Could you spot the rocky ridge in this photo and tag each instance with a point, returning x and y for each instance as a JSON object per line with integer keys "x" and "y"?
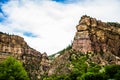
{"x": 33, "y": 61}
{"x": 91, "y": 32}
{"x": 98, "y": 37}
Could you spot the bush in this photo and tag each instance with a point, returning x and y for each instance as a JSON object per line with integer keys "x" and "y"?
{"x": 11, "y": 69}
{"x": 94, "y": 76}
{"x": 113, "y": 71}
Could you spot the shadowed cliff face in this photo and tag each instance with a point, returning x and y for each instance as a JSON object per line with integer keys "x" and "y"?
{"x": 12, "y": 45}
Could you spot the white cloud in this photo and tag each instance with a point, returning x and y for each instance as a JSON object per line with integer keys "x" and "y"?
{"x": 53, "y": 22}
{"x": 1, "y": 15}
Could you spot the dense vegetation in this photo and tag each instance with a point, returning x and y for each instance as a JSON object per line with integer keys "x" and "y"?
{"x": 115, "y": 24}
{"x": 12, "y": 69}
{"x": 84, "y": 70}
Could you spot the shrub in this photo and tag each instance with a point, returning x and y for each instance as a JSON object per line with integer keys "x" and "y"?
{"x": 94, "y": 76}
{"x": 12, "y": 69}
{"x": 113, "y": 71}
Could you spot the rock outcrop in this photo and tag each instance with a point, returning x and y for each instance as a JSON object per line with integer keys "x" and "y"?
{"x": 98, "y": 37}
{"x": 60, "y": 64}
{"x": 34, "y": 62}
{"x": 96, "y": 40}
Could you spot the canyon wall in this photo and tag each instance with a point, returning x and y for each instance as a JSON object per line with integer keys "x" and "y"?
{"x": 98, "y": 37}
{"x": 35, "y": 63}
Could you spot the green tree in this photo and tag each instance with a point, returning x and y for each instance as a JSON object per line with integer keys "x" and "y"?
{"x": 12, "y": 69}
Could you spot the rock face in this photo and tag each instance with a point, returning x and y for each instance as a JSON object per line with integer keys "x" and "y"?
{"x": 98, "y": 37}
{"x": 60, "y": 64}
{"x": 97, "y": 40}
{"x": 12, "y": 45}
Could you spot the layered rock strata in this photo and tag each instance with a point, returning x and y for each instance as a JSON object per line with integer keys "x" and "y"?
{"x": 98, "y": 37}
{"x": 95, "y": 36}
{"x": 13, "y": 45}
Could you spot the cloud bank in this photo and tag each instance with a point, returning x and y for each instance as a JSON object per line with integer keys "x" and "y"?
{"x": 49, "y": 25}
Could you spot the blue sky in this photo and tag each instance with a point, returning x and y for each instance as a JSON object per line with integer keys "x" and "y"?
{"x": 62, "y": 1}
{"x": 3, "y": 1}
{"x": 50, "y": 25}
{"x": 29, "y": 34}
{"x": 2, "y": 18}
{"x": 67, "y": 1}
{"x": 1, "y": 11}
